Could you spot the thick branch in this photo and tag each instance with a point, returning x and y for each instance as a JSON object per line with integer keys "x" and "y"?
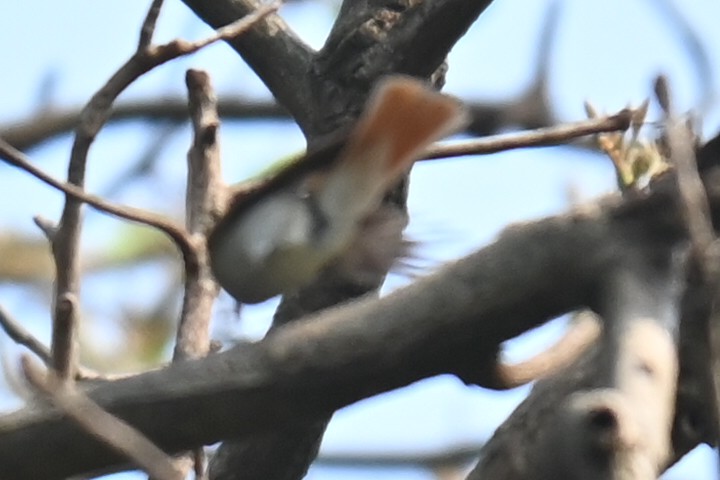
{"x": 371, "y": 39}
{"x": 611, "y": 415}
{"x": 387, "y": 36}
{"x": 452, "y": 321}
{"x": 103, "y": 426}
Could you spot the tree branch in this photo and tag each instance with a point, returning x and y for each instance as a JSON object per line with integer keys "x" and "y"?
{"x": 45, "y": 125}
{"x": 609, "y": 416}
{"x": 602, "y": 418}
{"x": 110, "y": 430}
{"x": 273, "y": 51}
{"x": 377, "y": 37}
{"x": 205, "y": 200}
{"x": 21, "y": 336}
{"x": 165, "y": 225}
{"x": 66, "y": 240}
{"x": 450, "y": 322}
{"x": 554, "y": 135}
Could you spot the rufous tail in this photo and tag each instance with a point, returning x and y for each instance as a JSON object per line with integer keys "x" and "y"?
{"x": 402, "y": 118}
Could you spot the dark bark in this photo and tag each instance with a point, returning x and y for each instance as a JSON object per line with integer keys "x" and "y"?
{"x": 450, "y": 322}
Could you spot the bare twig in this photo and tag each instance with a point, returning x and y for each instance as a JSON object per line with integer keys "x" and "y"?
{"x": 17, "y": 333}
{"x": 532, "y": 138}
{"x": 271, "y": 49}
{"x": 167, "y": 226}
{"x": 94, "y": 116}
{"x": 21, "y": 336}
{"x": 112, "y": 431}
{"x": 66, "y": 240}
{"x": 324, "y": 156}
{"x": 457, "y": 455}
{"x": 692, "y": 192}
{"x": 148, "y": 27}
{"x": 241, "y": 26}
{"x": 662, "y": 95}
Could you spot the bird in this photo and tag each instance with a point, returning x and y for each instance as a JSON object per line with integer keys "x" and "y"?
{"x": 279, "y": 236}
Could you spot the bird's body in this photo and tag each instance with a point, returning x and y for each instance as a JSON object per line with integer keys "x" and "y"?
{"x": 275, "y": 248}
{"x": 280, "y": 239}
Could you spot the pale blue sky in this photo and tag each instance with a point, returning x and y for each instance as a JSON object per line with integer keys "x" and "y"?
{"x": 606, "y": 50}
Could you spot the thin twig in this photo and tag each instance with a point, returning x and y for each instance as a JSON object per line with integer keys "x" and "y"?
{"x": 556, "y": 135}
{"x": 21, "y": 336}
{"x": 112, "y": 431}
{"x": 274, "y": 52}
{"x": 95, "y": 114}
{"x": 533, "y": 138}
{"x": 148, "y": 27}
{"x": 170, "y": 228}
{"x": 239, "y": 26}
